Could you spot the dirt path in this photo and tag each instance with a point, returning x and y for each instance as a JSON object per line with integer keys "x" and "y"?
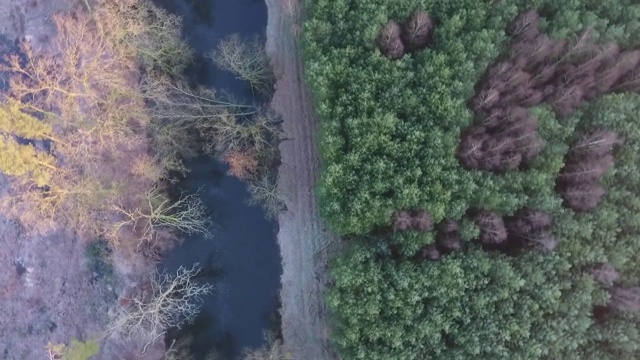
{"x": 303, "y": 238}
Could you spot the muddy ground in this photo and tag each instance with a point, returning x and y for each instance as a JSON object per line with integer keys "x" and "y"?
{"x": 305, "y": 244}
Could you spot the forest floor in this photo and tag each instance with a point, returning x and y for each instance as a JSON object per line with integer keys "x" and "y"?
{"x": 306, "y": 245}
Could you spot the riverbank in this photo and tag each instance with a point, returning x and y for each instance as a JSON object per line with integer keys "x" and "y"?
{"x": 303, "y": 239}
{"x": 242, "y": 253}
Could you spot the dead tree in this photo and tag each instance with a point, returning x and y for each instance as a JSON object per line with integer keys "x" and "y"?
{"x": 530, "y": 228}
{"x": 492, "y": 228}
{"x": 448, "y": 237}
{"x": 470, "y": 151}
{"x": 535, "y": 69}
{"x": 422, "y": 221}
{"x": 587, "y": 161}
{"x": 543, "y": 241}
{"x": 587, "y": 170}
{"x": 582, "y": 197}
{"x": 389, "y": 41}
{"x": 544, "y": 76}
{"x": 429, "y": 252}
{"x": 567, "y": 99}
{"x": 417, "y": 31}
{"x": 402, "y": 220}
{"x": 487, "y": 99}
{"x": 629, "y": 83}
{"x": 625, "y": 299}
{"x": 169, "y": 301}
{"x": 596, "y": 143}
{"x": 604, "y": 273}
{"x": 525, "y": 26}
{"x": 528, "y": 220}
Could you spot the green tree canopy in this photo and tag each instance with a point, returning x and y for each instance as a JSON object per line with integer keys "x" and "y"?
{"x": 390, "y": 130}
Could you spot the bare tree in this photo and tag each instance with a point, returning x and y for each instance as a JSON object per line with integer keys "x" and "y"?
{"x": 582, "y": 197}
{"x": 181, "y": 349}
{"x": 604, "y": 273}
{"x": 429, "y": 252}
{"x": 259, "y": 133}
{"x": 626, "y": 299}
{"x": 525, "y": 26}
{"x": 422, "y": 221}
{"x": 389, "y": 41}
{"x": 169, "y": 300}
{"x": 526, "y": 221}
{"x": 159, "y": 213}
{"x": 596, "y": 143}
{"x": 248, "y": 60}
{"x": 417, "y": 30}
{"x": 486, "y": 99}
{"x": 157, "y": 47}
{"x": 179, "y": 112}
{"x": 448, "y": 238}
{"x": 402, "y": 220}
{"x": 492, "y": 228}
{"x": 588, "y": 170}
{"x": 543, "y": 241}
{"x": 264, "y": 192}
{"x": 272, "y": 350}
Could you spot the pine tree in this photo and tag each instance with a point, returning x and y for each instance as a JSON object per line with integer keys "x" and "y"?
{"x": 15, "y": 122}
{"x": 19, "y": 160}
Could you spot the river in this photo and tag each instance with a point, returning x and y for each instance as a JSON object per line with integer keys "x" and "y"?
{"x": 242, "y": 259}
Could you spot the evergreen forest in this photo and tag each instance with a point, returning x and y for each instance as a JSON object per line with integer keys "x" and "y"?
{"x": 480, "y": 162}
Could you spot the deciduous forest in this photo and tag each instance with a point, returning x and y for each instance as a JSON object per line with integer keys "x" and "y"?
{"x": 480, "y": 160}
{"x": 94, "y": 129}
{"x": 93, "y": 134}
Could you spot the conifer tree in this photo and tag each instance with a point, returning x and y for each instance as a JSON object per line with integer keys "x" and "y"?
{"x": 14, "y": 121}
{"x": 19, "y": 160}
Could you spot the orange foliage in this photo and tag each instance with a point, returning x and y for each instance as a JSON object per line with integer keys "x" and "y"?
{"x": 242, "y": 164}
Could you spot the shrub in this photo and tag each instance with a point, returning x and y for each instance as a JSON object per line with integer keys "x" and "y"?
{"x": 79, "y": 350}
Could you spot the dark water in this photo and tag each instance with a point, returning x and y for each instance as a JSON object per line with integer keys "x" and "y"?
{"x": 242, "y": 259}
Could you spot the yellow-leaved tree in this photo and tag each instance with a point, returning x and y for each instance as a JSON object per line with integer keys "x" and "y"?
{"x": 20, "y": 158}
{"x": 24, "y": 160}
{"x": 86, "y": 124}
